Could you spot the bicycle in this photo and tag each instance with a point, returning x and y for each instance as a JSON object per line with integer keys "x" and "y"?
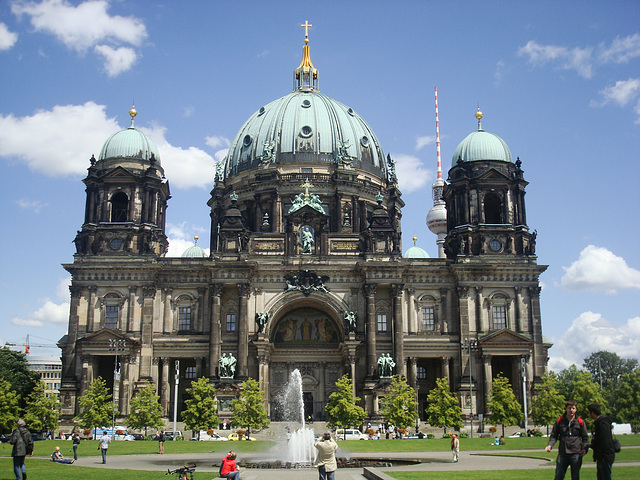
{"x": 184, "y": 473}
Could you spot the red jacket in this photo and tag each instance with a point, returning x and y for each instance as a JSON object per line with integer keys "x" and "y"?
{"x": 228, "y": 466}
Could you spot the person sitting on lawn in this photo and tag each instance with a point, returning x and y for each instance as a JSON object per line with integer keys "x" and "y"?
{"x": 57, "y": 457}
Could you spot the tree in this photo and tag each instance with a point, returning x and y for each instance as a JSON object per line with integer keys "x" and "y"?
{"x": 201, "y": 412}
{"x": 14, "y": 368}
{"x": 8, "y": 406}
{"x": 248, "y": 410}
{"x": 586, "y": 391}
{"x": 42, "y": 412}
{"x": 607, "y": 369}
{"x": 548, "y": 404}
{"x": 146, "y": 410}
{"x": 565, "y": 380}
{"x": 629, "y": 399}
{"x": 342, "y": 408}
{"x": 443, "y": 409}
{"x": 502, "y": 403}
{"x": 96, "y": 406}
{"x": 400, "y": 406}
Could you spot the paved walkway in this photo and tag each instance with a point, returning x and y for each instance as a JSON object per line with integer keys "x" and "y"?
{"x": 431, "y": 461}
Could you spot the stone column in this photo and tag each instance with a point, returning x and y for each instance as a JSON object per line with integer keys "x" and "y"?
{"x": 413, "y": 314}
{"x": 398, "y": 332}
{"x": 263, "y": 380}
{"x": 131, "y": 309}
{"x": 168, "y": 311}
{"x": 444, "y": 314}
{"x": 445, "y": 369}
{"x": 216, "y": 291}
{"x": 372, "y": 361}
{"x": 463, "y": 299}
{"x": 488, "y": 381}
{"x": 165, "y": 388}
{"x": 482, "y": 322}
{"x": 244, "y": 290}
{"x": 74, "y": 320}
{"x": 91, "y": 310}
{"x": 519, "y": 321}
{"x": 146, "y": 350}
{"x": 413, "y": 371}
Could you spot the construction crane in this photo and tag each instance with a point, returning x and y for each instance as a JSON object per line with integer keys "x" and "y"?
{"x": 27, "y": 345}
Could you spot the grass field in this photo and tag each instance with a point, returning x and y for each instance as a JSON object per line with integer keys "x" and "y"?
{"x": 619, "y": 473}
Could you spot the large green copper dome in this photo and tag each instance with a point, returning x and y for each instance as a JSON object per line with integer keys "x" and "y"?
{"x": 481, "y": 145}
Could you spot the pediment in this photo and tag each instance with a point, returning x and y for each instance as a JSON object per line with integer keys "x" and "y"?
{"x": 119, "y": 172}
{"x": 307, "y": 211}
{"x": 101, "y": 338}
{"x": 505, "y": 337}
{"x": 493, "y": 174}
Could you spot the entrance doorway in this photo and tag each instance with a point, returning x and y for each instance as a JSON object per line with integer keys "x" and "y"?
{"x": 307, "y": 400}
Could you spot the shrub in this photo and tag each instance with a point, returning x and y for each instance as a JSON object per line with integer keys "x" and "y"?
{"x": 87, "y": 432}
{"x": 493, "y": 429}
{"x": 402, "y": 431}
{"x": 464, "y": 435}
{"x": 430, "y": 435}
{"x": 446, "y": 435}
{"x": 370, "y": 431}
{"x": 537, "y": 433}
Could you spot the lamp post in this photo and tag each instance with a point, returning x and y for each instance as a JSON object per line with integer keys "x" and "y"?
{"x": 523, "y": 366}
{"x": 175, "y": 398}
{"x": 116, "y": 346}
{"x": 470, "y": 344}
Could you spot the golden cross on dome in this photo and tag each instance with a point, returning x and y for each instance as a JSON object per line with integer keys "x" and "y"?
{"x": 306, "y": 26}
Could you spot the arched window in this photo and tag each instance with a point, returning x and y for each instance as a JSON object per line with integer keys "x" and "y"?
{"x": 492, "y": 209}
{"x": 185, "y": 313}
{"x": 111, "y": 310}
{"x": 119, "y": 207}
{"x": 499, "y": 309}
{"x": 427, "y": 320}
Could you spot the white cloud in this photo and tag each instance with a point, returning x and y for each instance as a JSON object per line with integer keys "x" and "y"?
{"x": 621, "y": 50}
{"x": 85, "y": 26}
{"x": 622, "y": 93}
{"x": 185, "y": 168}
{"x": 578, "y": 59}
{"x": 68, "y": 135}
{"x": 34, "y": 205}
{"x": 52, "y": 312}
{"x": 117, "y": 60}
{"x": 589, "y": 333}
{"x": 7, "y": 38}
{"x": 62, "y": 289}
{"x": 21, "y": 322}
{"x": 599, "y": 269}
{"x": 412, "y": 175}
{"x": 425, "y": 141}
{"x": 216, "y": 141}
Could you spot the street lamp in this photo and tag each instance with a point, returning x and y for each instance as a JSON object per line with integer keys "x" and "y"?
{"x": 523, "y": 365}
{"x": 470, "y": 344}
{"x": 175, "y": 398}
{"x": 115, "y": 346}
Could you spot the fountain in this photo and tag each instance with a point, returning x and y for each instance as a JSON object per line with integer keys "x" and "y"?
{"x": 300, "y": 449}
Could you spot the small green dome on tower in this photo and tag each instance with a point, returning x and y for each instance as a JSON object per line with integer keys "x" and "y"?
{"x": 130, "y": 143}
{"x": 481, "y": 145}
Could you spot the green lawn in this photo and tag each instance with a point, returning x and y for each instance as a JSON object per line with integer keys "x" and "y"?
{"x": 619, "y": 473}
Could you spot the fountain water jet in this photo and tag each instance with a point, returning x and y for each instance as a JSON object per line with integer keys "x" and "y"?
{"x": 300, "y": 449}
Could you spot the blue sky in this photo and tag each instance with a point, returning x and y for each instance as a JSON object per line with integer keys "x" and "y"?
{"x": 558, "y": 81}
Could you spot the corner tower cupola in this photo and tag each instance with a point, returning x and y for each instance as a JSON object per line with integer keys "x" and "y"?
{"x": 484, "y": 198}
{"x": 127, "y": 195}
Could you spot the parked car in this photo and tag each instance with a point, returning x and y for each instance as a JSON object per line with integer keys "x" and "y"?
{"x": 36, "y": 436}
{"x": 134, "y": 436}
{"x": 168, "y": 436}
{"x": 205, "y": 437}
{"x": 350, "y": 434}
{"x": 234, "y": 437}
{"x": 4, "y": 438}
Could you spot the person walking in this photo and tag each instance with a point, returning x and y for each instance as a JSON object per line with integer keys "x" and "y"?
{"x": 76, "y": 441}
{"x": 455, "y": 446}
{"x": 229, "y": 467}
{"x": 571, "y": 431}
{"x": 105, "y": 440}
{"x": 326, "y": 459}
{"x": 604, "y": 452}
{"x": 161, "y": 442}
{"x": 22, "y": 446}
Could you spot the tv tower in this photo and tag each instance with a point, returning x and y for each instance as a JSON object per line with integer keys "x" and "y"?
{"x": 437, "y": 216}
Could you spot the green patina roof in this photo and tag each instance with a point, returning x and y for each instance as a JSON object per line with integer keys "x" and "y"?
{"x": 481, "y": 145}
{"x": 129, "y": 143}
{"x": 415, "y": 252}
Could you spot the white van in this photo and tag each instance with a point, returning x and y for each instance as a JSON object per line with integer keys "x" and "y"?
{"x": 621, "y": 428}
{"x": 350, "y": 434}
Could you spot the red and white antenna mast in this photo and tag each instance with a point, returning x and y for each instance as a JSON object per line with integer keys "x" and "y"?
{"x": 437, "y": 216}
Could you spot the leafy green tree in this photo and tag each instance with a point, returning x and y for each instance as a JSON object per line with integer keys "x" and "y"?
{"x": 565, "y": 380}
{"x": 586, "y": 391}
{"x": 42, "y": 412}
{"x": 443, "y": 409}
{"x": 248, "y": 410}
{"x": 607, "y": 369}
{"x": 629, "y": 399}
{"x": 96, "y": 406}
{"x": 342, "y": 408}
{"x": 400, "y": 406}
{"x": 201, "y": 412}
{"x": 14, "y": 368}
{"x": 8, "y": 406}
{"x": 502, "y": 403}
{"x": 146, "y": 410}
{"x": 548, "y": 404}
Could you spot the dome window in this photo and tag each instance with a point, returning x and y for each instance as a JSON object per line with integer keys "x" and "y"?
{"x": 261, "y": 111}
{"x": 306, "y": 131}
{"x": 364, "y": 141}
{"x": 351, "y": 112}
{"x": 246, "y": 141}
{"x": 306, "y": 104}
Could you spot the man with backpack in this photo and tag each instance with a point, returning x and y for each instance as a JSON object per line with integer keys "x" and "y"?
{"x": 571, "y": 431}
{"x": 22, "y": 446}
{"x": 604, "y": 452}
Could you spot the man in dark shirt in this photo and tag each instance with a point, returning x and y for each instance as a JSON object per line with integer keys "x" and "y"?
{"x": 571, "y": 431}
{"x": 604, "y": 453}
{"x": 22, "y": 446}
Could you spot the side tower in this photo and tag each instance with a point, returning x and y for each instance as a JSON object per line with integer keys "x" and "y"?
{"x": 127, "y": 197}
{"x": 485, "y": 199}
